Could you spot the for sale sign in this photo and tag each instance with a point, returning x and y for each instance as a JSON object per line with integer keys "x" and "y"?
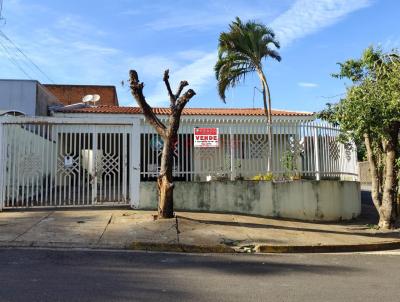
{"x": 206, "y": 137}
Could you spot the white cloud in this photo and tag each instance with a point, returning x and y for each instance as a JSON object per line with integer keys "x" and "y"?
{"x": 94, "y": 48}
{"x": 305, "y": 17}
{"x": 191, "y": 54}
{"x": 307, "y": 84}
{"x": 198, "y": 73}
{"x": 152, "y": 66}
{"x": 206, "y": 14}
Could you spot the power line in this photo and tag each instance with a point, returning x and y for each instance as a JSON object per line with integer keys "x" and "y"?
{"x": 333, "y": 96}
{"x": 25, "y": 56}
{"x": 15, "y": 62}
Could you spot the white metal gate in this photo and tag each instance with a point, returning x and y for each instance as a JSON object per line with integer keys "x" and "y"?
{"x": 49, "y": 162}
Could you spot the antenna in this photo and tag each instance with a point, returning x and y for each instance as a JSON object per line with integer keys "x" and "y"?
{"x": 254, "y": 93}
{"x": 96, "y": 98}
{"x": 87, "y": 98}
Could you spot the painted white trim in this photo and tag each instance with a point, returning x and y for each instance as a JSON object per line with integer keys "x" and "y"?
{"x": 194, "y": 118}
{"x": 134, "y": 169}
{"x": 132, "y": 120}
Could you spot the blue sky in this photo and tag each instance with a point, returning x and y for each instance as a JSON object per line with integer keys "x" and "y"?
{"x": 97, "y": 42}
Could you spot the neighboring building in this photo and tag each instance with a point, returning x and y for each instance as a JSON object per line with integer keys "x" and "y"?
{"x": 72, "y": 94}
{"x": 27, "y": 96}
{"x": 35, "y": 99}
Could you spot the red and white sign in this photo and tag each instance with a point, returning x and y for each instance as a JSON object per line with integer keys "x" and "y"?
{"x": 206, "y": 137}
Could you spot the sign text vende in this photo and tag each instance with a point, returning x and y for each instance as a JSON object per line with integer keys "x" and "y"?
{"x": 206, "y": 137}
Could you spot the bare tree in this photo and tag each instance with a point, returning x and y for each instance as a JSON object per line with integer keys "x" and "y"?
{"x": 168, "y": 133}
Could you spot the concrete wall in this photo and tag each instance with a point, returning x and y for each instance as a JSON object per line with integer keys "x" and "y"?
{"x": 325, "y": 200}
{"x": 18, "y": 95}
{"x": 43, "y": 100}
{"x": 27, "y": 96}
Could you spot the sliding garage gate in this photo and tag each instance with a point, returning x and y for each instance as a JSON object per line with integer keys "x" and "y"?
{"x": 68, "y": 163}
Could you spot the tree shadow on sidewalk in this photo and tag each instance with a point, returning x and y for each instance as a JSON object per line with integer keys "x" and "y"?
{"x": 359, "y": 226}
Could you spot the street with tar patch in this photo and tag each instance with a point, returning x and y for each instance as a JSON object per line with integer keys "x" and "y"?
{"x": 73, "y": 275}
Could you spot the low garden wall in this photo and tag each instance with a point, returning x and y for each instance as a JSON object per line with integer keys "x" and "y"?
{"x": 325, "y": 200}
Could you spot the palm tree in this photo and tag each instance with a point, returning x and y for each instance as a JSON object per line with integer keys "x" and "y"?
{"x": 241, "y": 51}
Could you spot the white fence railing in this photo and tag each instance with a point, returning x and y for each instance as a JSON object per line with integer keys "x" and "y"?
{"x": 52, "y": 162}
{"x": 300, "y": 149}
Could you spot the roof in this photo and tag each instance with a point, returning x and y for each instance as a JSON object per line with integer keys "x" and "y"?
{"x": 186, "y": 111}
{"x": 72, "y": 94}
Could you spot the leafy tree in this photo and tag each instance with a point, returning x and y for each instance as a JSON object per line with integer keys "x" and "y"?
{"x": 241, "y": 51}
{"x": 168, "y": 133}
{"x": 371, "y": 112}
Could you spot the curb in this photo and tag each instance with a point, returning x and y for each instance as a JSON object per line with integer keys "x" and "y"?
{"x": 180, "y": 248}
{"x": 341, "y": 248}
{"x": 187, "y": 248}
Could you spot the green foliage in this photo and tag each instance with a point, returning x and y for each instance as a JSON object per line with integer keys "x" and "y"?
{"x": 370, "y": 113}
{"x": 372, "y": 103}
{"x": 289, "y": 162}
{"x": 241, "y": 51}
{"x": 267, "y": 177}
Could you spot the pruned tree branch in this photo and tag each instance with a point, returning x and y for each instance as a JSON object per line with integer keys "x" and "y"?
{"x": 137, "y": 92}
{"x": 182, "y": 85}
{"x": 172, "y": 97}
{"x": 184, "y": 99}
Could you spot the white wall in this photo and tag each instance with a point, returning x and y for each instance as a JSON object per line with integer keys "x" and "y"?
{"x": 27, "y": 96}
{"x": 18, "y": 95}
{"x": 325, "y": 200}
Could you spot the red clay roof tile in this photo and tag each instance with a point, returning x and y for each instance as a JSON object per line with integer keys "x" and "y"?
{"x": 186, "y": 111}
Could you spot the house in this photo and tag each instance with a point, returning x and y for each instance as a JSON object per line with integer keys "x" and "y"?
{"x": 34, "y": 99}
{"x": 246, "y": 128}
{"x": 71, "y": 94}
{"x": 26, "y": 96}
{"x": 84, "y": 154}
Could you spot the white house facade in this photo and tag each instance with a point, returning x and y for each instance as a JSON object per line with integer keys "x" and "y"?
{"x": 85, "y": 155}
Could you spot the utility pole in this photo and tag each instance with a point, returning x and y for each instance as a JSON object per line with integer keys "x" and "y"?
{"x": 2, "y": 19}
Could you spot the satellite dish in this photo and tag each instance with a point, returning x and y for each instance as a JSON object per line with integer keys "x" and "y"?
{"x": 96, "y": 98}
{"x": 87, "y": 98}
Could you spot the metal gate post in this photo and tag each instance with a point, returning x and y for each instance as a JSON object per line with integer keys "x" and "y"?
{"x": 94, "y": 181}
{"x": 232, "y": 151}
{"x": 134, "y": 169}
{"x": 316, "y": 150}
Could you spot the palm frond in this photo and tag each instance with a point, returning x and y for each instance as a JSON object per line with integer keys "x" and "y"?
{"x": 241, "y": 51}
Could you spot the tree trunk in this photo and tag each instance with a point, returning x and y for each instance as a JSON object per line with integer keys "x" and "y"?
{"x": 388, "y": 212}
{"x": 268, "y": 114}
{"x": 165, "y": 180}
{"x": 270, "y": 137}
{"x": 169, "y": 135}
{"x": 373, "y": 167}
{"x": 385, "y": 198}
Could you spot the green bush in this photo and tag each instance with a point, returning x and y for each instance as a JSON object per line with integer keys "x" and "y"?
{"x": 267, "y": 177}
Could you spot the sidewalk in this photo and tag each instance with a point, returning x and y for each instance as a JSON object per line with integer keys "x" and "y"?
{"x": 201, "y": 232}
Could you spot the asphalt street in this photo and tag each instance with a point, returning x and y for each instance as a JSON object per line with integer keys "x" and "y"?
{"x": 79, "y": 275}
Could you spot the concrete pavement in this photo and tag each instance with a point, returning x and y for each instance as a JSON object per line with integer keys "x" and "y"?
{"x": 129, "y": 229}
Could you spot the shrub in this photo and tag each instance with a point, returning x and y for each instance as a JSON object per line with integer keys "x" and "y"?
{"x": 267, "y": 177}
